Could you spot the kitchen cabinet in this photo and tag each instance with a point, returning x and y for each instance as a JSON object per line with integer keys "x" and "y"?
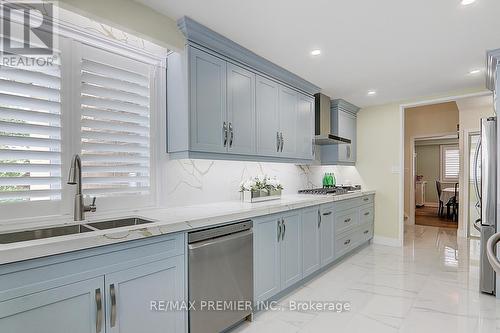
{"x": 130, "y": 291}
{"x": 106, "y": 289}
{"x": 220, "y": 108}
{"x": 327, "y": 236}
{"x": 344, "y": 118}
{"x": 207, "y": 86}
{"x": 311, "y": 234}
{"x": 240, "y": 110}
{"x": 277, "y": 253}
{"x": 291, "y": 249}
{"x": 267, "y": 111}
{"x": 267, "y": 269}
{"x": 67, "y": 308}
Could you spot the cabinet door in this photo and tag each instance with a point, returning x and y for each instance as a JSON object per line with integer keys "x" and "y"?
{"x": 129, "y": 294}
{"x": 288, "y": 102}
{"x": 310, "y": 240}
{"x": 347, "y": 129}
{"x": 327, "y": 250}
{"x": 291, "y": 250}
{"x": 207, "y": 101}
{"x": 305, "y": 126}
{"x": 266, "y": 257}
{"x": 241, "y": 110}
{"x": 267, "y": 107}
{"x": 70, "y": 308}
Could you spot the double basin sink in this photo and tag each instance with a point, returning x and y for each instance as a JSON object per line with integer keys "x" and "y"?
{"x": 27, "y": 235}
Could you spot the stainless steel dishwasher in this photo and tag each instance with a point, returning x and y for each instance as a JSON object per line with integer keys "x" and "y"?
{"x": 220, "y": 270}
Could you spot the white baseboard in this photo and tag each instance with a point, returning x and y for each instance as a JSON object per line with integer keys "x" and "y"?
{"x": 389, "y": 241}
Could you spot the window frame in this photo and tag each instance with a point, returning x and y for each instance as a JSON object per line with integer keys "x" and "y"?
{"x": 70, "y": 38}
{"x": 442, "y": 163}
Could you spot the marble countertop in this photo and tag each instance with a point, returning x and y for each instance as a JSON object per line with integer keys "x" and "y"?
{"x": 165, "y": 221}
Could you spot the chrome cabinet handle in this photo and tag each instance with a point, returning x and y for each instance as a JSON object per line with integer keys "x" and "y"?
{"x": 327, "y": 213}
{"x": 282, "y": 141}
{"x": 278, "y": 142}
{"x": 366, "y": 231}
{"x": 348, "y": 152}
{"x": 98, "y": 302}
{"x": 284, "y": 229}
{"x": 367, "y": 213}
{"x": 279, "y": 230}
{"x": 231, "y": 135}
{"x": 366, "y": 199}
{"x": 347, "y": 220}
{"x": 224, "y": 132}
{"x": 112, "y": 293}
{"x": 319, "y": 219}
{"x": 347, "y": 242}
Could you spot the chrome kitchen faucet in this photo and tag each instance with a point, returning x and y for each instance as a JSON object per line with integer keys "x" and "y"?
{"x": 75, "y": 178}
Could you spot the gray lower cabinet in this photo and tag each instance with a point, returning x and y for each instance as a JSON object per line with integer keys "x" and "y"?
{"x": 292, "y": 246}
{"x": 130, "y": 291}
{"x": 97, "y": 290}
{"x": 67, "y": 308}
{"x": 277, "y": 253}
{"x": 311, "y": 224}
{"x": 327, "y": 236}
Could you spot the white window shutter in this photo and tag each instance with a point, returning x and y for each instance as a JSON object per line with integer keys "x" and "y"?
{"x": 30, "y": 133}
{"x": 450, "y": 163}
{"x": 115, "y": 124}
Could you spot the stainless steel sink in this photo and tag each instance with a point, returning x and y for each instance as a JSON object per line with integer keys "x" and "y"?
{"x": 21, "y": 236}
{"x": 110, "y": 224}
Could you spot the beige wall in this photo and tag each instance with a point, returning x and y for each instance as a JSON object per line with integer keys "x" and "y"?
{"x": 378, "y": 153}
{"x": 428, "y": 165}
{"x": 131, "y": 17}
{"x": 425, "y": 121}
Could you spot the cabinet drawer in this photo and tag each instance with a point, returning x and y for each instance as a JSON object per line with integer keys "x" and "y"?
{"x": 365, "y": 232}
{"x": 346, "y": 220}
{"x": 345, "y": 243}
{"x": 367, "y": 199}
{"x": 366, "y": 214}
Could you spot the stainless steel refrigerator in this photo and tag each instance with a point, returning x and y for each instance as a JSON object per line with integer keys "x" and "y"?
{"x": 486, "y": 186}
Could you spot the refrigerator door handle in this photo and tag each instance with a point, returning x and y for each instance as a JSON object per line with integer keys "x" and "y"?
{"x": 476, "y": 157}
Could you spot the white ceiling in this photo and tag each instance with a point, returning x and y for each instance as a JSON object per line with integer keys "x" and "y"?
{"x": 402, "y": 49}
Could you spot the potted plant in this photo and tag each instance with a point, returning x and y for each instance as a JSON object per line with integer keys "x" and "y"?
{"x": 261, "y": 188}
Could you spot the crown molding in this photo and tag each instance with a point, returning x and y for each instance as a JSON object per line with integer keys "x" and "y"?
{"x": 201, "y": 35}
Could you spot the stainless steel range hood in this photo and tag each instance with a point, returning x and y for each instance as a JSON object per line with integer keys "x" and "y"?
{"x": 323, "y": 123}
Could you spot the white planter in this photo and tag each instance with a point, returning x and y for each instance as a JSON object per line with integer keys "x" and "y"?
{"x": 261, "y": 195}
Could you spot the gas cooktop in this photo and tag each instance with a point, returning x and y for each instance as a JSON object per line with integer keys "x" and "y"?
{"x": 336, "y": 190}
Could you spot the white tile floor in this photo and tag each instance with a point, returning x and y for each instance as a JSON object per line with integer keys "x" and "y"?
{"x": 429, "y": 285}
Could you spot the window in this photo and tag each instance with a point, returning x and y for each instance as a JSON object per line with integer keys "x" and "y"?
{"x": 450, "y": 163}
{"x": 30, "y": 133}
{"x": 115, "y": 105}
{"x": 95, "y": 101}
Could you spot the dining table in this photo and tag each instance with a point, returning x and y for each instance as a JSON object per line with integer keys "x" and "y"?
{"x": 448, "y": 193}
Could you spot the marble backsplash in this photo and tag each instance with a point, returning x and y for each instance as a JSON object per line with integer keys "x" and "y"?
{"x": 189, "y": 182}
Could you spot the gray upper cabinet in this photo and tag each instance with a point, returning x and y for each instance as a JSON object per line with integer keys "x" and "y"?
{"x": 344, "y": 118}
{"x": 267, "y": 102}
{"x": 288, "y": 107}
{"x": 240, "y": 110}
{"x": 225, "y": 102}
{"x": 207, "y": 85}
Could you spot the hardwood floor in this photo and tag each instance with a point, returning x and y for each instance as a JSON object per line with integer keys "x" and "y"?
{"x": 428, "y": 216}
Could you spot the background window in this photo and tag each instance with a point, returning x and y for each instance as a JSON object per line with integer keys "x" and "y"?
{"x": 450, "y": 163}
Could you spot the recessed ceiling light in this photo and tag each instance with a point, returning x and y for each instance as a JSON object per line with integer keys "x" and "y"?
{"x": 316, "y": 52}
{"x": 371, "y": 92}
{"x": 467, "y": 2}
{"x": 474, "y": 71}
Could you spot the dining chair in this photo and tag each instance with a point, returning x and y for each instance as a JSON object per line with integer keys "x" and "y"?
{"x": 441, "y": 203}
{"x": 454, "y": 204}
